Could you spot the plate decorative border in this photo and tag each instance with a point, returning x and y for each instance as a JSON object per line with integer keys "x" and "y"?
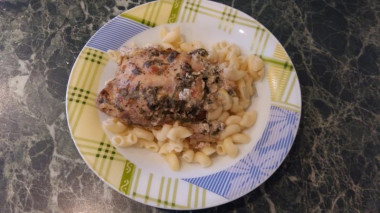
{"x": 188, "y": 193}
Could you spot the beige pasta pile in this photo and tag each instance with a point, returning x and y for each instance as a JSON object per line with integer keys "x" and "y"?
{"x": 228, "y": 113}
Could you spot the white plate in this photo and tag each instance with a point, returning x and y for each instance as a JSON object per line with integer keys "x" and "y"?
{"x": 145, "y": 177}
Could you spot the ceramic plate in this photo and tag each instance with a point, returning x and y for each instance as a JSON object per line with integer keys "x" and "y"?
{"x": 144, "y": 176}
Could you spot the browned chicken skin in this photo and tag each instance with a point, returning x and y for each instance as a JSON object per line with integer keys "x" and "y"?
{"x": 154, "y": 86}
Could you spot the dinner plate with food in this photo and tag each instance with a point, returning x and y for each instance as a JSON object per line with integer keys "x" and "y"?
{"x": 183, "y": 104}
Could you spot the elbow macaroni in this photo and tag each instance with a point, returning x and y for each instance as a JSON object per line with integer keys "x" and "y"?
{"x": 226, "y": 99}
{"x": 240, "y": 138}
{"x": 178, "y": 132}
{"x": 203, "y": 159}
{"x": 231, "y": 149}
{"x": 151, "y": 145}
{"x": 188, "y": 155}
{"x": 143, "y": 134}
{"x": 233, "y": 74}
{"x": 161, "y": 135}
{"x": 230, "y": 130}
{"x": 175, "y": 146}
{"x": 172, "y": 36}
{"x": 114, "y": 126}
{"x": 213, "y": 115}
{"x": 248, "y": 119}
{"x": 233, "y": 119}
{"x": 220, "y": 150}
{"x": 173, "y": 161}
{"x": 223, "y": 116}
{"x": 236, "y": 108}
{"x": 208, "y": 150}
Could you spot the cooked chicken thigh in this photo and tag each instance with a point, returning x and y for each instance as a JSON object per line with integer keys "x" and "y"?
{"x": 154, "y": 86}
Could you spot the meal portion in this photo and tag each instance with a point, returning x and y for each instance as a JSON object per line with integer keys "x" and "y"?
{"x": 180, "y": 100}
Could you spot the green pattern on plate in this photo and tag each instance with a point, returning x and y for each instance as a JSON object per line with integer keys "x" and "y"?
{"x": 127, "y": 178}
{"x": 175, "y": 11}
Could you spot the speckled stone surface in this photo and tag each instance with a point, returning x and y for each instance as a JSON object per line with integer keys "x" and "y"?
{"x": 332, "y": 167}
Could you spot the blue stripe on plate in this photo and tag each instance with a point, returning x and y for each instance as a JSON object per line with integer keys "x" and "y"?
{"x": 259, "y": 164}
{"x": 115, "y": 33}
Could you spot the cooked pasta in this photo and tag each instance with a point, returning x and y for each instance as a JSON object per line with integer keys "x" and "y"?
{"x": 203, "y": 159}
{"x": 240, "y": 138}
{"x": 143, "y": 134}
{"x": 172, "y": 161}
{"x": 236, "y": 107}
{"x": 119, "y": 141}
{"x": 208, "y": 150}
{"x": 233, "y": 74}
{"x": 230, "y": 130}
{"x": 150, "y": 145}
{"x": 226, "y": 99}
{"x": 172, "y": 36}
{"x": 230, "y": 148}
{"x": 213, "y": 115}
{"x": 250, "y": 88}
{"x": 131, "y": 138}
{"x": 175, "y": 146}
{"x": 178, "y": 132}
{"x": 249, "y": 118}
{"x": 161, "y": 134}
{"x": 233, "y": 119}
{"x": 161, "y": 143}
{"x": 188, "y": 155}
{"x": 255, "y": 64}
{"x": 220, "y": 150}
{"x": 223, "y": 116}
{"x": 114, "y": 126}
{"x": 164, "y": 149}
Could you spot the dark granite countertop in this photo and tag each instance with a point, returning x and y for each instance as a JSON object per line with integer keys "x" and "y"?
{"x": 332, "y": 167}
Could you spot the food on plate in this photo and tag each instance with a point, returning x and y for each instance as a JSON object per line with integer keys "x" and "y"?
{"x": 181, "y": 100}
